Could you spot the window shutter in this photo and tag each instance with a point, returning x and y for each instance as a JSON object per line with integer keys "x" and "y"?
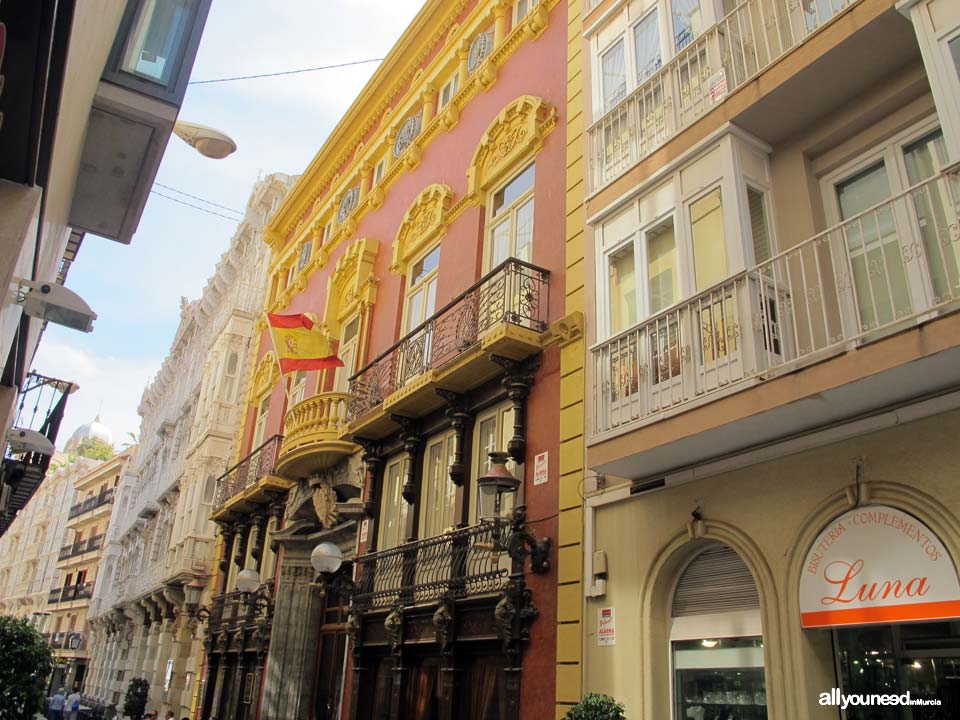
{"x": 716, "y": 581}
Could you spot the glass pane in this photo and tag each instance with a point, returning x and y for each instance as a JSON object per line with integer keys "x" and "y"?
{"x": 662, "y": 266}
{"x": 500, "y": 243}
{"x": 687, "y": 22}
{"x": 925, "y": 157}
{"x": 523, "y": 8}
{"x": 709, "y": 248}
{"x": 623, "y": 290}
{"x": 868, "y": 665}
{"x": 431, "y": 298}
{"x": 524, "y": 239}
{"x": 955, "y": 53}
{"x": 422, "y": 267}
{"x": 720, "y": 678}
{"x": 614, "y": 75}
{"x": 762, "y": 249}
{"x": 394, "y": 511}
{"x": 156, "y": 37}
{"x": 513, "y": 190}
{"x": 414, "y": 310}
{"x": 646, "y": 37}
{"x": 487, "y": 437}
{"x": 864, "y": 190}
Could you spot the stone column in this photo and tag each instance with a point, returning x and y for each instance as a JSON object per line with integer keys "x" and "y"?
{"x": 138, "y": 645}
{"x": 462, "y": 54}
{"x": 164, "y": 643}
{"x": 500, "y": 11}
{"x": 292, "y": 660}
{"x": 429, "y": 102}
{"x": 181, "y": 651}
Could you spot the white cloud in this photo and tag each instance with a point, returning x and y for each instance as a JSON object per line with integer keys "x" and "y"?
{"x": 109, "y": 385}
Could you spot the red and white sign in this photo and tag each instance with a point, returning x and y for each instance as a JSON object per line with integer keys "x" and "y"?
{"x": 877, "y": 564}
{"x": 607, "y": 626}
{"x": 541, "y": 468}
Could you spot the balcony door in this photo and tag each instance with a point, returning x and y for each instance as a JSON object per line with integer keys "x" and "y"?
{"x": 347, "y": 352}
{"x": 899, "y": 254}
{"x": 420, "y": 305}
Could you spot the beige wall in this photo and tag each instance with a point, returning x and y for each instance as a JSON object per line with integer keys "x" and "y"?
{"x": 770, "y": 513}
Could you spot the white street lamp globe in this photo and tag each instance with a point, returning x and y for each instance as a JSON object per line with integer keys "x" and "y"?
{"x": 326, "y": 558}
{"x": 248, "y": 581}
{"x": 208, "y": 141}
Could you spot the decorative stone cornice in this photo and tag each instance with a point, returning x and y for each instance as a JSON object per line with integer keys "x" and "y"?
{"x": 423, "y": 225}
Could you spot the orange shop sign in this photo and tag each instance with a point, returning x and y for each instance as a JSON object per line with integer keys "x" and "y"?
{"x": 877, "y": 564}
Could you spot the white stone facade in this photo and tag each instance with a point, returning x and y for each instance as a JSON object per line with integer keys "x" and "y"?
{"x": 160, "y": 535}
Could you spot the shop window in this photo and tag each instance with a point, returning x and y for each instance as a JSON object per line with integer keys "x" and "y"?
{"x": 393, "y": 508}
{"x": 511, "y": 220}
{"x": 716, "y": 639}
{"x": 422, "y": 693}
{"x": 482, "y": 693}
{"x": 438, "y": 491}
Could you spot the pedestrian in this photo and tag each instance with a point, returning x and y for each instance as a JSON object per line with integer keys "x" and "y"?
{"x": 55, "y": 706}
{"x": 73, "y": 705}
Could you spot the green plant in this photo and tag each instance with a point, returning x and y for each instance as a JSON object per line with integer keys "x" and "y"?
{"x": 595, "y": 706}
{"x": 26, "y": 665}
{"x": 135, "y": 701}
{"x": 95, "y": 449}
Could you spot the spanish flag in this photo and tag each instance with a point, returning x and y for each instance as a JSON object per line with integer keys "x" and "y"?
{"x": 299, "y": 346}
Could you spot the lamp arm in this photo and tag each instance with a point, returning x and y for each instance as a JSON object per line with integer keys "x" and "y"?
{"x": 522, "y": 543}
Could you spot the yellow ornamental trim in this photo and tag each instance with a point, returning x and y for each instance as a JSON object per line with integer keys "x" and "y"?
{"x": 267, "y": 375}
{"x": 352, "y": 283}
{"x": 518, "y": 131}
{"x": 424, "y": 223}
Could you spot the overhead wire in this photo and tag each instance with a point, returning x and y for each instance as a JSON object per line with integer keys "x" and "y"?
{"x": 283, "y": 72}
{"x": 196, "y": 207}
{"x": 197, "y": 197}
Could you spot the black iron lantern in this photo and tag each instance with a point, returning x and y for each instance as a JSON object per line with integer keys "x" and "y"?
{"x": 497, "y": 489}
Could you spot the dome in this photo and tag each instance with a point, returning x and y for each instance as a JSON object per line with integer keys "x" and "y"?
{"x": 93, "y": 430}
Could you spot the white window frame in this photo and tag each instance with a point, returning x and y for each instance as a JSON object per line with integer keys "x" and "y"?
{"x": 298, "y": 389}
{"x": 442, "y": 485}
{"x": 378, "y": 171}
{"x": 449, "y": 91}
{"x": 508, "y": 214}
{"x": 517, "y": 17}
{"x": 422, "y": 284}
{"x": 260, "y": 422}
{"x": 342, "y": 374}
{"x": 479, "y": 464}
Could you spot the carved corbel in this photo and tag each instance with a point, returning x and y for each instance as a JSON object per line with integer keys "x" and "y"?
{"x": 374, "y": 461}
{"x": 460, "y": 420}
{"x": 517, "y": 381}
{"x": 412, "y": 439}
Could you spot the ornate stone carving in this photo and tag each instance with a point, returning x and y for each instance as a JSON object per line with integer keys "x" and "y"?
{"x": 442, "y": 622}
{"x": 518, "y": 131}
{"x": 407, "y": 134}
{"x": 325, "y": 505}
{"x": 504, "y": 614}
{"x": 393, "y": 625}
{"x": 352, "y": 283}
{"x": 267, "y": 374}
{"x": 423, "y": 224}
{"x": 480, "y": 49}
{"x": 354, "y": 626}
{"x": 348, "y": 204}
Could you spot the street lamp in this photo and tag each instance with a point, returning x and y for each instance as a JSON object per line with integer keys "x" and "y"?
{"x": 497, "y": 489}
{"x": 327, "y": 561}
{"x": 191, "y": 597}
{"x": 208, "y": 141}
{"x": 248, "y": 583}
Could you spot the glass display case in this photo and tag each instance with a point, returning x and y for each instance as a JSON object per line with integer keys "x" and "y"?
{"x": 719, "y": 679}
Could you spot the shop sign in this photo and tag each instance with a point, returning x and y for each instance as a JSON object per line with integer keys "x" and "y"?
{"x": 877, "y": 564}
{"x": 607, "y": 626}
{"x": 541, "y": 468}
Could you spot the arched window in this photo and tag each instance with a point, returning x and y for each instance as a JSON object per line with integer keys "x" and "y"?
{"x": 209, "y": 488}
{"x": 716, "y": 638}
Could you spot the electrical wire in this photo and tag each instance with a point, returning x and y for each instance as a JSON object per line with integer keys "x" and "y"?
{"x": 196, "y": 207}
{"x": 197, "y": 197}
{"x": 283, "y": 72}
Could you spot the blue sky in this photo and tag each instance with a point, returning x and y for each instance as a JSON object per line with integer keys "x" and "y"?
{"x": 278, "y": 124}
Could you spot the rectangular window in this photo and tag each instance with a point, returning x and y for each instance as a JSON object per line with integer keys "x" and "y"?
{"x": 326, "y": 232}
{"x": 438, "y": 493}
{"x": 298, "y": 387}
{"x": 759, "y": 228}
{"x": 393, "y": 508}
{"x": 304, "y": 258}
{"x": 493, "y": 431}
{"x": 662, "y": 279}
{"x": 687, "y": 22}
{"x": 511, "y": 232}
{"x": 709, "y": 247}
{"x": 157, "y": 38}
{"x": 422, "y": 289}
{"x": 378, "y": 172}
{"x": 260, "y": 425}
{"x": 955, "y": 53}
{"x": 646, "y": 39}
{"x": 449, "y": 89}
{"x": 623, "y": 289}
{"x": 613, "y": 75}
{"x": 347, "y": 352}
{"x": 522, "y": 9}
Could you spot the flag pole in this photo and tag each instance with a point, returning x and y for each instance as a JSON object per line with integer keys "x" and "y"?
{"x": 276, "y": 354}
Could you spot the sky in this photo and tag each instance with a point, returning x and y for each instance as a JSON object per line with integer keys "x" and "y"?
{"x": 278, "y": 124}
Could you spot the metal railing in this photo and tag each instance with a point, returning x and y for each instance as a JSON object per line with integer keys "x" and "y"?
{"x": 514, "y": 292}
{"x": 91, "y": 503}
{"x": 459, "y": 563}
{"x": 80, "y": 547}
{"x": 84, "y": 591}
{"x": 260, "y": 463}
{"x": 893, "y": 264}
{"x": 706, "y": 69}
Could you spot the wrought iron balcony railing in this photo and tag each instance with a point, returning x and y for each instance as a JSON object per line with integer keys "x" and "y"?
{"x": 258, "y": 464}
{"x": 514, "y": 292}
{"x": 84, "y": 591}
{"x": 459, "y": 563}
{"x": 80, "y": 547}
{"x": 894, "y": 264}
{"x": 706, "y": 68}
{"x": 91, "y": 503}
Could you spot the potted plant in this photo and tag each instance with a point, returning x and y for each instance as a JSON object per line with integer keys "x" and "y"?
{"x": 135, "y": 701}
{"x": 595, "y": 706}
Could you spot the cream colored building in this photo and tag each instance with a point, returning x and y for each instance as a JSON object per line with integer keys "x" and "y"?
{"x": 78, "y": 563}
{"x": 160, "y": 536}
{"x": 772, "y": 235}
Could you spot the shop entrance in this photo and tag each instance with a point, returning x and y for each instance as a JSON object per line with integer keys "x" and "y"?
{"x": 920, "y": 658}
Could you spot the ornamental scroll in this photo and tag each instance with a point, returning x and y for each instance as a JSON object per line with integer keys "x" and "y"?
{"x": 423, "y": 224}
{"x": 518, "y": 131}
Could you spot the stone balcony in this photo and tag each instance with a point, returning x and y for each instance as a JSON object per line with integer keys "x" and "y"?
{"x": 312, "y": 430}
